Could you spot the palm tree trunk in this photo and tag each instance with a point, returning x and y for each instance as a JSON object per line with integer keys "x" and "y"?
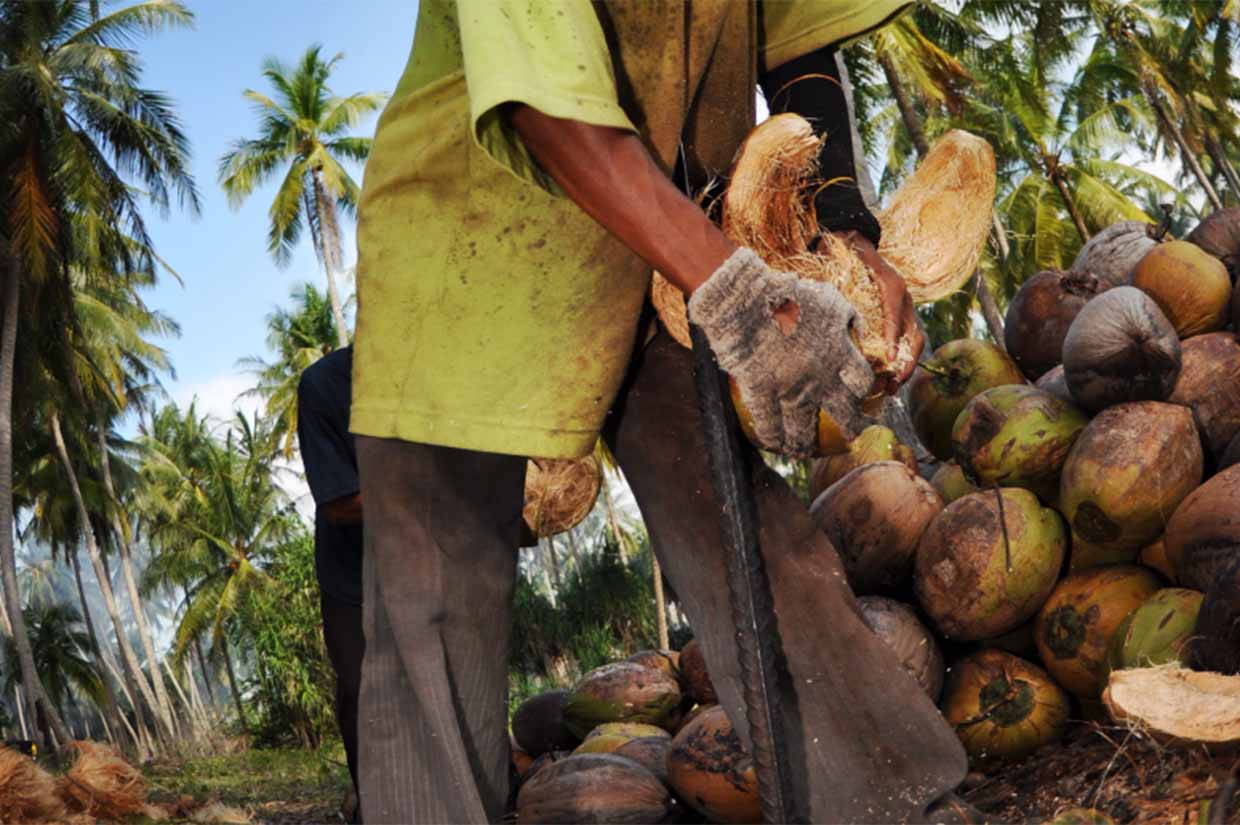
{"x": 139, "y": 730}
{"x": 131, "y": 585}
{"x": 128, "y": 657}
{"x": 198, "y": 708}
{"x": 1222, "y": 162}
{"x": 232, "y": 684}
{"x": 21, "y": 711}
{"x": 1056, "y": 178}
{"x": 555, "y": 562}
{"x": 206, "y": 673}
{"x": 35, "y": 695}
{"x": 329, "y": 240}
{"x": 110, "y": 713}
{"x": 1186, "y": 155}
{"x": 613, "y": 522}
{"x": 660, "y": 604}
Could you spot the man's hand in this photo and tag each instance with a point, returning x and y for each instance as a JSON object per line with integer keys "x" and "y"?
{"x": 900, "y": 315}
{"x": 787, "y": 367}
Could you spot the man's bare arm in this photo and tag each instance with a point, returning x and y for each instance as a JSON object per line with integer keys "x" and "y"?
{"x": 344, "y": 511}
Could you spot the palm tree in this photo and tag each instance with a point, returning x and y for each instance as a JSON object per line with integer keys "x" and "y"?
{"x": 75, "y": 128}
{"x": 303, "y": 126}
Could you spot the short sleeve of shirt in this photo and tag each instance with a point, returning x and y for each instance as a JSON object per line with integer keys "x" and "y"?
{"x": 793, "y": 28}
{"x": 548, "y": 55}
{"x": 323, "y": 436}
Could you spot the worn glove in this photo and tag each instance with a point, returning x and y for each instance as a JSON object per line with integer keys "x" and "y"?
{"x": 784, "y": 378}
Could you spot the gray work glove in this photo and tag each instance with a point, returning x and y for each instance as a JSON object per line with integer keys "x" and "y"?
{"x": 784, "y": 378}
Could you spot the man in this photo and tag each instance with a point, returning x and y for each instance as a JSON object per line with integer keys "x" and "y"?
{"x": 518, "y": 195}
{"x": 330, "y": 460}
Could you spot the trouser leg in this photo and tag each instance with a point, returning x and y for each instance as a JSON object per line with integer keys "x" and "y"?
{"x": 865, "y": 743}
{"x": 346, "y": 642}
{"x": 440, "y": 561}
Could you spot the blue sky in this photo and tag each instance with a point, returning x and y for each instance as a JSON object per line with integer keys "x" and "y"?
{"x": 230, "y": 282}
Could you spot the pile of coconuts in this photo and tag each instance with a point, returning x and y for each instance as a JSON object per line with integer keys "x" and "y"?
{"x": 1073, "y": 551}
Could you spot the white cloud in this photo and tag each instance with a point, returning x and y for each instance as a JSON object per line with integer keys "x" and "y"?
{"x": 220, "y": 396}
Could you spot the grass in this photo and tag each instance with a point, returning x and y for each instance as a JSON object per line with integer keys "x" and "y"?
{"x": 283, "y": 785}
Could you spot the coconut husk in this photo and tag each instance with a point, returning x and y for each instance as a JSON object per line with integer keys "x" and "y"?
{"x": 1175, "y": 704}
{"x": 669, "y": 303}
{"x": 560, "y": 493}
{"x": 218, "y": 812}
{"x": 102, "y": 784}
{"x": 27, "y": 792}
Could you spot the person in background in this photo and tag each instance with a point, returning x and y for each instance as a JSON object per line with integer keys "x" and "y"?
{"x": 323, "y": 396}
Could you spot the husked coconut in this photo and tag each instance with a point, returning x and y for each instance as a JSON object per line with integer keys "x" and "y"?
{"x": 1039, "y": 316}
{"x": 1209, "y": 384}
{"x": 943, "y": 383}
{"x": 897, "y": 624}
{"x": 1203, "y": 535}
{"x": 1219, "y": 234}
{"x": 1177, "y": 705}
{"x": 1112, "y": 254}
{"x": 1120, "y": 348}
{"x": 1054, "y": 382}
{"x": 875, "y": 443}
{"x": 1189, "y": 285}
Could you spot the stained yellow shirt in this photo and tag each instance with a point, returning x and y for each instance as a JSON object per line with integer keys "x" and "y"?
{"x": 493, "y": 314}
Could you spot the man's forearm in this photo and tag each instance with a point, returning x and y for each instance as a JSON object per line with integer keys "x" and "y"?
{"x": 611, "y": 176}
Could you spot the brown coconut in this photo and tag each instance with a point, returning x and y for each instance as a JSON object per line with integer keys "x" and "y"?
{"x": 667, "y": 661}
{"x": 1209, "y": 384}
{"x": 1054, "y": 382}
{"x": 898, "y": 626}
{"x": 538, "y": 724}
{"x": 987, "y": 562}
{"x": 1112, "y": 254}
{"x": 1216, "y": 637}
{"x": 1203, "y": 535}
{"x": 1039, "y": 316}
{"x": 1235, "y": 307}
{"x": 709, "y": 770}
{"x": 1154, "y": 556}
{"x": 651, "y": 752}
{"x": 1219, "y": 234}
{"x": 593, "y": 788}
{"x": 1127, "y": 472}
{"x": 950, "y": 482}
{"x": 560, "y": 493}
{"x": 1075, "y": 626}
{"x": 1190, "y": 286}
{"x": 1120, "y": 348}
{"x": 875, "y": 443}
{"x": 874, "y": 517}
{"x": 696, "y": 678}
{"x": 1230, "y": 456}
{"x": 1177, "y": 705}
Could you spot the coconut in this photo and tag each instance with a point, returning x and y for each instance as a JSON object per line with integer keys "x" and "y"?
{"x": 1203, "y": 535}
{"x": 1154, "y": 556}
{"x": 1002, "y": 707}
{"x": 548, "y": 758}
{"x": 709, "y": 769}
{"x": 1230, "y": 456}
{"x": 1039, "y": 316}
{"x": 538, "y": 725}
{"x": 874, "y": 517}
{"x": 521, "y": 761}
{"x": 621, "y": 692}
{"x": 560, "y": 493}
{"x": 1235, "y": 307}
{"x": 945, "y": 382}
{"x": 1209, "y": 384}
{"x": 624, "y": 731}
{"x": 987, "y": 562}
{"x": 1219, "y": 234}
{"x": 696, "y": 678}
{"x": 1127, "y": 472}
{"x": 1018, "y": 642}
{"x": 1157, "y": 632}
{"x": 1081, "y": 816}
{"x": 1075, "y": 626}
{"x": 1112, "y": 254}
{"x": 950, "y": 482}
{"x": 1189, "y": 285}
{"x": 937, "y": 222}
{"x": 875, "y": 443}
{"x": 1120, "y": 348}
{"x": 1016, "y": 436}
{"x": 593, "y": 788}
{"x": 1216, "y": 637}
{"x": 831, "y": 438}
{"x": 1177, "y": 705}
{"x": 667, "y": 661}
{"x": 897, "y": 625}
{"x": 1054, "y": 382}
{"x": 651, "y": 752}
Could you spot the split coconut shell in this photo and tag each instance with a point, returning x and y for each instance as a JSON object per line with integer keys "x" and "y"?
{"x": 709, "y": 770}
{"x": 874, "y": 517}
{"x": 987, "y": 562}
{"x": 1190, "y": 286}
{"x": 945, "y": 382}
{"x": 875, "y": 443}
{"x": 1157, "y": 632}
{"x": 1216, "y": 638}
{"x": 1039, "y": 316}
{"x": 1177, "y": 705}
{"x": 1016, "y": 436}
{"x": 950, "y": 482}
{"x": 593, "y": 788}
{"x": 1127, "y": 472}
{"x": 1219, "y": 235}
{"x": 1120, "y": 348}
{"x": 898, "y": 626}
{"x": 1112, "y": 254}
{"x": 560, "y": 493}
{"x": 1075, "y": 626}
{"x": 1203, "y": 535}
{"x": 538, "y": 724}
{"x": 621, "y": 692}
{"x": 1002, "y": 707}
{"x": 1209, "y": 384}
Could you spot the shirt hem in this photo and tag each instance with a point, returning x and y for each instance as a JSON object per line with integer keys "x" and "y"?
{"x": 478, "y": 435}
{"x": 838, "y": 32}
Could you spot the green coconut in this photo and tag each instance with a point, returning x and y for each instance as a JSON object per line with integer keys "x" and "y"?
{"x": 1016, "y": 436}
{"x": 1075, "y": 626}
{"x": 621, "y": 692}
{"x": 1127, "y": 472}
{"x": 987, "y": 562}
{"x": 1157, "y": 632}
{"x": 951, "y": 483}
{"x": 945, "y": 382}
{"x": 1002, "y": 707}
{"x": 875, "y": 443}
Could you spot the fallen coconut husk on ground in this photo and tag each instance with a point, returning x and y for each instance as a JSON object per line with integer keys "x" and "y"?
{"x": 101, "y": 784}
{"x": 1174, "y": 704}
{"x": 218, "y": 812}
{"x": 560, "y": 493}
{"x": 27, "y": 792}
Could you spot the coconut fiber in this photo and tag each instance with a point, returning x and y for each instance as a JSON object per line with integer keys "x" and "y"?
{"x": 27, "y": 792}
{"x": 102, "y": 784}
{"x": 560, "y": 493}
